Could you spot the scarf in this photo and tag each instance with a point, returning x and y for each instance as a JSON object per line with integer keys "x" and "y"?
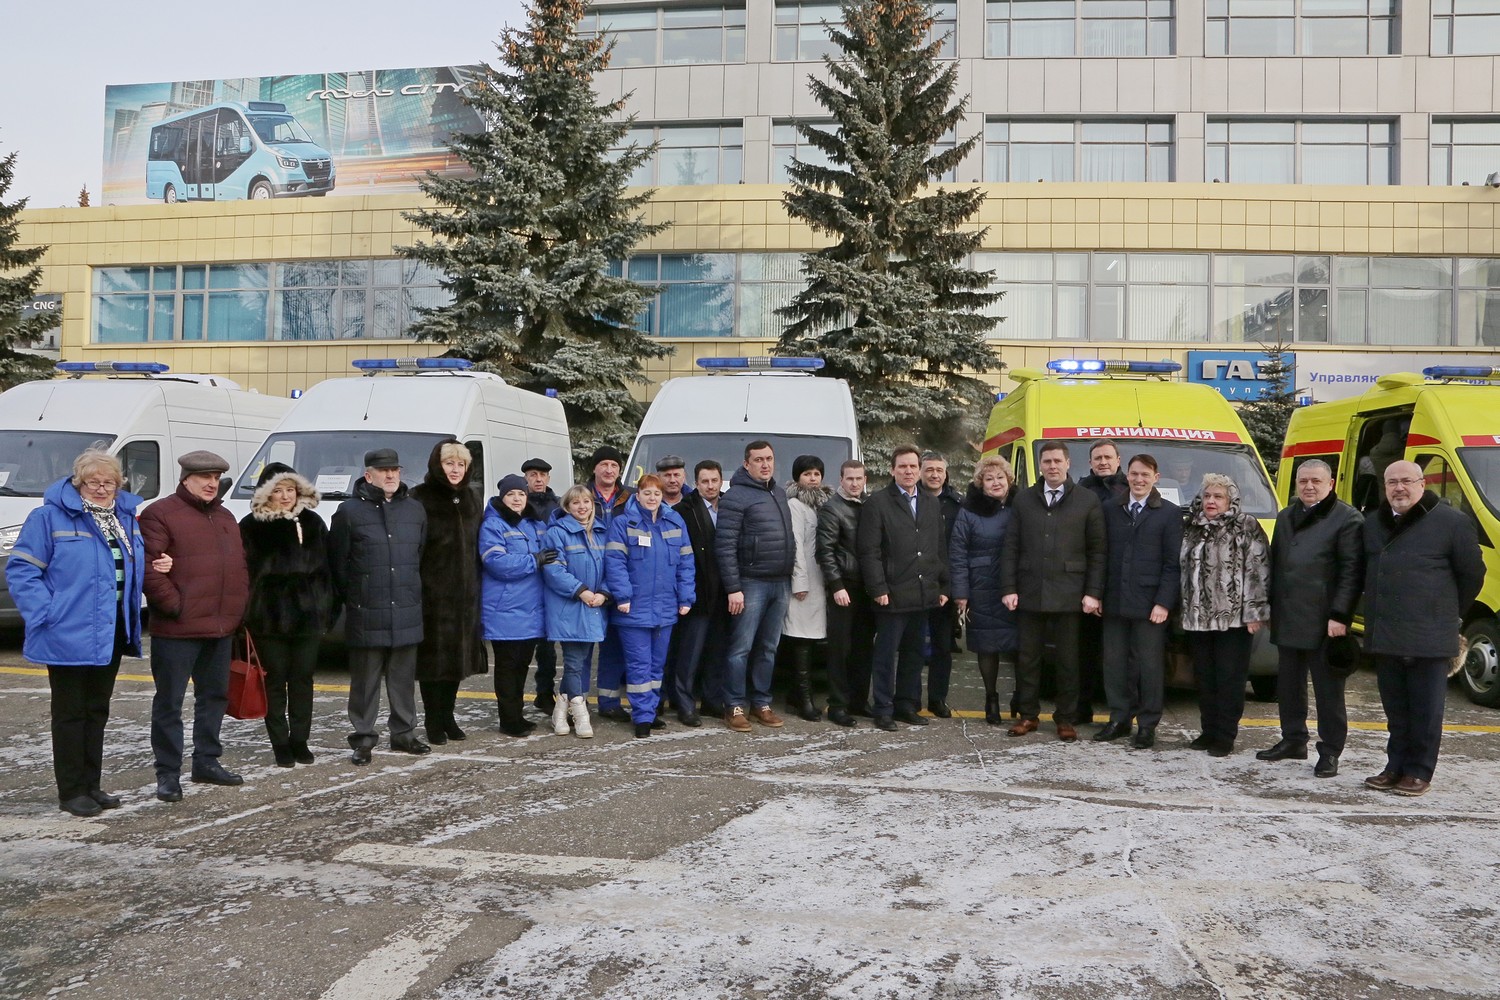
{"x": 109, "y": 525}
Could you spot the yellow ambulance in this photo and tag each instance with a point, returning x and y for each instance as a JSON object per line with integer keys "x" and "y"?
{"x": 1188, "y": 428}
{"x": 1447, "y": 420}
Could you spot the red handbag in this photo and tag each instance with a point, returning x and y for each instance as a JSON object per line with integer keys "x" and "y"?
{"x": 247, "y": 682}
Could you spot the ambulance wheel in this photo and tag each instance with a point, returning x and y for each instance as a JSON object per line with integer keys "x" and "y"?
{"x": 1263, "y": 686}
{"x": 169, "y": 196}
{"x": 1480, "y": 675}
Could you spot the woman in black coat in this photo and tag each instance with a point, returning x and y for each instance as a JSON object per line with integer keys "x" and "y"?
{"x": 451, "y": 646}
{"x": 291, "y": 602}
{"x": 974, "y": 560}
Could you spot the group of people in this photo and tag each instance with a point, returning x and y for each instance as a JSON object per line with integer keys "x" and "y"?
{"x": 688, "y": 592}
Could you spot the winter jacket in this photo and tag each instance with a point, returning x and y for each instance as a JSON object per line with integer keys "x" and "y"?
{"x": 1226, "y": 570}
{"x": 375, "y": 553}
{"x": 755, "y": 538}
{"x": 1423, "y": 570}
{"x": 1053, "y": 556}
{"x": 1142, "y": 568}
{"x": 974, "y": 560}
{"x": 208, "y": 589}
{"x": 286, "y": 553}
{"x": 545, "y": 506}
{"x": 648, "y": 564}
{"x": 701, "y": 533}
{"x": 1317, "y": 570}
{"x": 900, "y": 556}
{"x": 606, "y": 512}
{"x": 451, "y": 646}
{"x": 837, "y": 543}
{"x": 579, "y": 567}
{"x": 511, "y": 589}
{"x": 1106, "y": 488}
{"x": 807, "y": 618}
{"x": 950, "y": 502}
{"x": 61, "y": 575}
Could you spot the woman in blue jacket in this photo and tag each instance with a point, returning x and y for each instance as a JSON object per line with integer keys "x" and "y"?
{"x": 574, "y": 598}
{"x": 648, "y": 568}
{"x": 974, "y": 561}
{"x": 510, "y": 595}
{"x": 75, "y": 574}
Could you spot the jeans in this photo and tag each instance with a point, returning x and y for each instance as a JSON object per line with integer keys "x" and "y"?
{"x": 578, "y": 663}
{"x": 753, "y": 637}
{"x": 1292, "y": 670}
{"x": 1221, "y": 665}
{"x": 173, "y": 662}
{"x": 645, "y": 657}
{"x": 1412, "y": 690}
{"x": 896, "y": 673}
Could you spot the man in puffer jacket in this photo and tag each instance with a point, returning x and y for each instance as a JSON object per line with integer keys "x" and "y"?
{"x": 195, "y": 609}
{"x": 755, "y": 548}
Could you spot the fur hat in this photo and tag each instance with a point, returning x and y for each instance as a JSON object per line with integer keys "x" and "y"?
{"x": 260, "y": 501}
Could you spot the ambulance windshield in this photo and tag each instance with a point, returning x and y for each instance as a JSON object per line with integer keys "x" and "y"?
{"x": 1182, "y": 465}
{"x": 333, "y": 461}
{"x": 1483, "y": 466}
{"x": 729, "y": 451}
{"x": 31, "y": 461}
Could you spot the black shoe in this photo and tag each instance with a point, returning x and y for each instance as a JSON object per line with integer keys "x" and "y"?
{"x": 642, "y": 730}
{"x": 1221, "y": 749}
{"x": 545, "y": 703}
{"x": 839, "y": 717}
{"x": 1111, "y": 731}
{"x": 410, "y": 744}
{"x": 940, "y": 709}
{"x": 885, "y": 722}
{"x": 1284, "y": 750}
{"x": 909, "y": 717}
{"x": 689, "y": 719}
{"x": 108, "y": 801}
{"x": 616, "y": 714}
{"x": 1015, "y": 706}
{"x": 360, "y": 755}
{"x": 1144, "y": 739}
{"x": 1201, "y": 742}
{"x": 302, "y": 755}
{"x": 808, "y": 712}
{"x": 213, "y": 773}
{"x": 81, "y": 805}
{"x": 168, "y": 789}
{"x": 658, "y": 723}
{"x": 1328, "y": 765}
{"x": 436, "y": 736}
{"x": 712, "y": 710}
{"x": 524, "y": 729}
{"x": 992, "y": 710}
{"x": 1085, "y": 715}
{"x": 283, "y": 756}
{"x": 451, "y": 730}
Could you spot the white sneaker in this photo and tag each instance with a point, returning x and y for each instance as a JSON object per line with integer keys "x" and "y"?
{"x": 560, "y": 717}
{"x": 578, "y": 711}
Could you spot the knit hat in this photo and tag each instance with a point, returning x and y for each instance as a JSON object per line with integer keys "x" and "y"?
{"x": 805, "y": 462}
{"x": 272, "y": 470}
{"x": 536, "y": 465}
{"x": 196, "y": 462}
{"x": 511, "y": 482}
{"x": 605, "y": 453}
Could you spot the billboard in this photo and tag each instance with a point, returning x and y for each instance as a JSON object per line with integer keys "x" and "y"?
{"x": 312, "y": 134}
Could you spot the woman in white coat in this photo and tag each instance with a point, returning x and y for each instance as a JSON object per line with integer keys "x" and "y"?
{"x": 807, "y": 613}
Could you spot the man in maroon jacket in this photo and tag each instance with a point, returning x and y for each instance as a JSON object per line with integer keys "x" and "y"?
{"x": 196, "y": 607}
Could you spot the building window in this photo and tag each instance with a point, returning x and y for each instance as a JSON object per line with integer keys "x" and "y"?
{"x": 1030, "y": 28}
{"x": 294, "y": 301}
{"x": 802, "y": 37}
{"x": 689, "y": 154}
{"x": 788, "y": 144}
{"x": 671, "y": 36}
{"x": 1465, "y": 27}
{"x": 696, "y": 297}
{"x": 1302, "y": 27}
{"x": 1289, "y": 152}
{"x": 1464, "y": 152}
{"x": 1077, "y": 150}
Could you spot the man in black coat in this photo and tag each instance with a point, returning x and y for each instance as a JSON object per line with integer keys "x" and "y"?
{"x": 904, "y": 563}
{"x": 1142, "y": 582}
{"x": 1106, "y": 480}
{"x": 375, "y": 555}
{"x": 851, "y": 615}
{"x": 1051, "y": 573}
{"x": 706, "y": 625}
{"x": 941, "y": 621}
{"x": 1317, "y": 570}
{"x": 1423, "y": 569}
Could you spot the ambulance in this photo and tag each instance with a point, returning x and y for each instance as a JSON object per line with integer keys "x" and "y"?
{"x": 1446, "y": 420}
{"x": 1189, "y": 429}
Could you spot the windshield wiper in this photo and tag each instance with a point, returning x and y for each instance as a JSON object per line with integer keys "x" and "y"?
{"x": 6, "y": 491}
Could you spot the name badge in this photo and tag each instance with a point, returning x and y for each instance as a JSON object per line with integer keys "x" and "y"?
{"x": 644, "y": 541}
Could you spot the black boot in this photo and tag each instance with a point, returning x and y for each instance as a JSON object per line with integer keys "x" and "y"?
{"x": 801, "y": 699}
{"x": 432, "y": 711}
{"x": 992, "y": 709}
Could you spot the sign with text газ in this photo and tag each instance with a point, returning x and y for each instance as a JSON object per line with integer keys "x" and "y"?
{"x": 1237, "y": 375}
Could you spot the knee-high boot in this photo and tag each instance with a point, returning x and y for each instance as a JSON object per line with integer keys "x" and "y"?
{"x": 433, "y": 715}
{"x": 802, "y": 700}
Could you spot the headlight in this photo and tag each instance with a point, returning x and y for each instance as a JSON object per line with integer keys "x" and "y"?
{"x": 8, "y": 538}
{"x": 290, "y": 162}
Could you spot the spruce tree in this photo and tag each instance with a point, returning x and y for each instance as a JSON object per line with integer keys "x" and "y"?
{"x": 527, "y": 241}
{"x": 20, "y": 277}
{"x": 890, "y": 305}
{"x": 1266, "y": 417}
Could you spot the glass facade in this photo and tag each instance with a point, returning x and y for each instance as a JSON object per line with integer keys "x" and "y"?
{"x": 1465, "y": 27}
{"x": 671, "y": 36}
{"x": 1464, "y": 151}
{"x": 1031, "y": 28}
{"x": 689, "y": 154}
{"x": 295, "y": 301}
{"x": 801, "y": 35}
{"x": 1077, "y": 151}
{"x": 1253, "y": 151}
{"x": 1302, "y": 27}
{"x": 788, "y": 144}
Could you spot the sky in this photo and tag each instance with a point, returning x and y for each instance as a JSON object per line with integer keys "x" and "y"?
{"x": 60, "y": 55}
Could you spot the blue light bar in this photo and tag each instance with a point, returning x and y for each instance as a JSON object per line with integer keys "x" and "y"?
{"x": 1077, "y": 366}
{"x": 112, "y": 367}
{"x": 1461, "y": 371}
{"x": 761, "y": 363}
{"x": 412, "y": 364}
{"x": 1071, "y": 366}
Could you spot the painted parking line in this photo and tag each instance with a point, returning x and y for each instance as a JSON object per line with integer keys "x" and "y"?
{"x": 1374, "y": 727}
{"x": 388, "y": 972}
{"x": 494, "y": 862}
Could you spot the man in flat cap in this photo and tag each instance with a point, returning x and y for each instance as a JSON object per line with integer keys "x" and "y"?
{"x": 375, "y": 555}
{"x": 672, "y": 471}
{"x": 196, "y": 607}
{"x": 544, "y": 505}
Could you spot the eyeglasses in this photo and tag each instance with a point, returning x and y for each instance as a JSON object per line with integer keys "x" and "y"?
{"x": 1404, "y": 482}
{"x": 100, "y": 485}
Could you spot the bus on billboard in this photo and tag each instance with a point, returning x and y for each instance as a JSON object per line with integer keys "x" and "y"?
{"x": 356, "y": 132}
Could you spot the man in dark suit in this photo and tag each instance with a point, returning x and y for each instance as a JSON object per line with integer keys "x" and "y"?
{"x": 1051, "y": 573}
{"x": 851, "y": 616}
{"x": 704, "y": 627}
{"x": 1141, "y": 585}
{"x": 904, "y": 564}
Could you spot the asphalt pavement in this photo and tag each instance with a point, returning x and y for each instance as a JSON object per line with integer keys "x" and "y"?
{"x": 806, "y": 862}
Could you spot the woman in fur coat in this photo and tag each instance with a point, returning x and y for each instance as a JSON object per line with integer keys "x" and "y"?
{"x": 806, "y": 622}
{"x": 291, "y": 602}
{"x": 451, "y": 648}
